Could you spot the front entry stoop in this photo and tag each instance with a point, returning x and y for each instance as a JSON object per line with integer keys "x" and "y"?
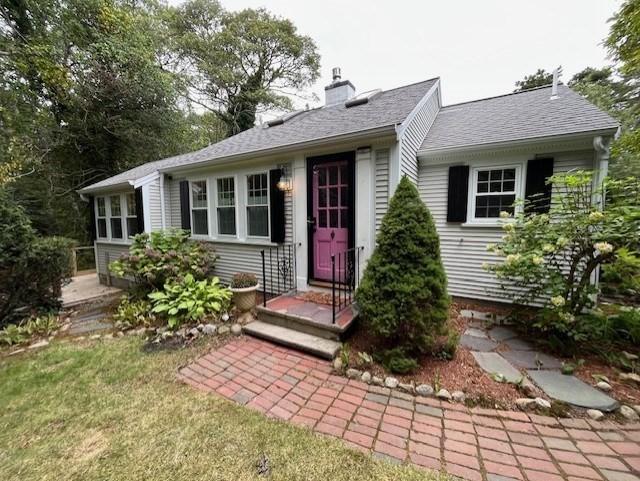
{"x": 318, "y": 346}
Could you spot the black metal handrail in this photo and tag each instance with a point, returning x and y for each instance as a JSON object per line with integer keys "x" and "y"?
{"x": 281, "y": 270}
{"x": 345, "y": 278}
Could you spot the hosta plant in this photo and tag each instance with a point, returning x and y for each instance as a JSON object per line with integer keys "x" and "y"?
{"x": 163, "y": 256}
{"x": 133, "y": 313}
{"x": 190, "y": 300}
{"x": 552, "y": 258}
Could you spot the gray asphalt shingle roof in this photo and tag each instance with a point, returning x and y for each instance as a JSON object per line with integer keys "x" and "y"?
{"x": 518, "y": 116}
{"x": 388, "y": 108}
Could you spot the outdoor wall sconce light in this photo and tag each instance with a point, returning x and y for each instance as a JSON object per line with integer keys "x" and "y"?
{"x": 285, "y": 183}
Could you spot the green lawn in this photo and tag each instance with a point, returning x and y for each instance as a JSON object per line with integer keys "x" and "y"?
{"x": 107, "y": 410}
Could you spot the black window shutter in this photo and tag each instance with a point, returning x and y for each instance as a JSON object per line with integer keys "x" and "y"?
{"x": 537, "y": 191}
{"x": 92, "y": 218}
{"x": 139, "y": 210}
{"x": 276, "y": 207}
{"x": 185, "y": 209}
{"x": 458, "y": 193}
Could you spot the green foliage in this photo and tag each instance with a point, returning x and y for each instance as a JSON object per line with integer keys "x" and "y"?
{"x": 162, "y": 256}
{"x": 397, "y": 361}
{"x": 364, "y": 359}
{"x": 12, "y": 335}
{"x": 450, "y": 346}
{"x": 538, "y": 79}
{"x": 43, "y": 325}
{"x": 132, "y": 313}
{"x": 403, "y": 294}
{"x": 32, "y": 269}
{"x": 242, "y": 62}
{"x": 243, "y": 279}
{"x": 551, "y": 257}
{"x": 622, "y": 276}
{"x": 190, "y": 300}
{"x": 344, "y": 355}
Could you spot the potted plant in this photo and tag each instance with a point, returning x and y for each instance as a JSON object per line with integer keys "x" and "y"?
{"x": 244, "y": 286}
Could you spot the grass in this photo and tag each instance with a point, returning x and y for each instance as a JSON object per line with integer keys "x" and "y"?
{"x": 109, "y": 411}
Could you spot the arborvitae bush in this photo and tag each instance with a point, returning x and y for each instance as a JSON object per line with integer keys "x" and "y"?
{"x": 403, "y": 297}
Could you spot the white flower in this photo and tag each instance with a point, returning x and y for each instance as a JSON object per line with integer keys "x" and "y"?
{"x": 557, "y": 301}
{"x": 562, "y": 241}
{"x": 596, "y": 216}
{"x": 512, "y": 258}
{"x": 486, "y": 266}
{"x": 603, "y": 247}
{"x": 509, "y": 227}
{"x": 491, "y": 247}
{"x": 537, "y": 260}
{"x": 504, "y": 214}
{"x": 548, "y": 248}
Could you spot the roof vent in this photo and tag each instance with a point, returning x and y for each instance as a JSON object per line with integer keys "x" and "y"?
{"x": 336, "y": 74}
{"x": 556, "y": 79}
{"x": 362, "y": 98}
{"x": 282, "y": 119}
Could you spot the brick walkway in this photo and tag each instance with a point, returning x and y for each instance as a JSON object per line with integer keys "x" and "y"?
{"x": 472, "y": 443}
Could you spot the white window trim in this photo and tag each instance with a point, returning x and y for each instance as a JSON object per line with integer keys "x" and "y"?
{"x": 126, "y": 217}
{"x": 123, "y": 206}
{"x": 98, "y": 216}
{"x": 192, "y": 208}
{"x": 472, "y": 220}
{"x": 268, "y": 205}
{"x": 216, "y": 231}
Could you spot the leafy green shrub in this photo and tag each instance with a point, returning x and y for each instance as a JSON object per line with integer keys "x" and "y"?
{"x": 622, "y": 276}
{"x": 12, "y": 335}
{"x": 32, "y": 269}
{"x": 550, "y": 258}
{"x": 43, "y": 325}
{"x": 133, "y": 313}
{"x": 450, "y": 346}
{"x": 403, "y": 294}
{"x": 242, "y": 280}
{"x": 190, "y": 300}
{"x": 160, "y": 257}
{"x": 396, "y": 361}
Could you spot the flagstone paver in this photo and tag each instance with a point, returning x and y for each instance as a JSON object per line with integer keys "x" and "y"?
{"x": 476, "y": 444}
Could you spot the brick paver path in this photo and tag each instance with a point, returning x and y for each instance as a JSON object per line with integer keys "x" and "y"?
{"x": 471, "y": 443}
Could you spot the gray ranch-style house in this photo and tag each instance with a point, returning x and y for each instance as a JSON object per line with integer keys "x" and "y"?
{"x": 317, "y": 182}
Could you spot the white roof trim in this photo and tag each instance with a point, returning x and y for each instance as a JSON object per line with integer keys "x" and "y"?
{"x": 147, "y": 179}
{"x": 407, "y": 121}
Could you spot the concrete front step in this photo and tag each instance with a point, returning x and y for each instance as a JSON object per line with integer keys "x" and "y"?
{"x": 299, "y": 323}
{"x": 325, "y": 348}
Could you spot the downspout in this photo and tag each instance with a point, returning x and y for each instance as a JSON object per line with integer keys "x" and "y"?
{"x": 601, "y": 163}
{"x": 162, "y": 206}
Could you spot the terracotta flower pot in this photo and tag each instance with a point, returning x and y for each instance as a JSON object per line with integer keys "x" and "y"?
{"x": 245, "y": 298}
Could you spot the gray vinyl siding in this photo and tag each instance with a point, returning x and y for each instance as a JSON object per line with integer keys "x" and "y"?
{"x": 172, "y": 188}
{"x": 108, "y": 252}
{"x": 382, "y": 185}
{"x": 464, "y": 248}
{"x": 414, "y": 134}
{"x": 155, "y": 205}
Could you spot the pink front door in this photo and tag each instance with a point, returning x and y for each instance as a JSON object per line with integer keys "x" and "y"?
{"x": 331, "y": 212}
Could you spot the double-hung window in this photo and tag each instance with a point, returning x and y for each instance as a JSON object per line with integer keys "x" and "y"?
{"x": 101, "y": 217}
{"x": 115, "y": 217}
{"x": 495, "y": 190}
{"x": 132, "y": 218}
{"x": 258, "y": 205}
{"x": 199, "y": 208}
{"x": 226, "y": 206}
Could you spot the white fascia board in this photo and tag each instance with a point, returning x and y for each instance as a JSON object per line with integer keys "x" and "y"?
{"x": 418, "y": 107}
{"x": 147, "y": 179}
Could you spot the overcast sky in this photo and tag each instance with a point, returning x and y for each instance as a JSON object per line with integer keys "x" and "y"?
{"x": 477, "y": 48}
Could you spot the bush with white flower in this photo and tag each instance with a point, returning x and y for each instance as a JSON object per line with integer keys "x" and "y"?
{"x": 553, "y": 258}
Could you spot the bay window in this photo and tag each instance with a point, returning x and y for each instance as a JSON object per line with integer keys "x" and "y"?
{"x": 258, "y": 205}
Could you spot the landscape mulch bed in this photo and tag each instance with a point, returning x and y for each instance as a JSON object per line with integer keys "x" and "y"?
{"x": 463, "y": 373}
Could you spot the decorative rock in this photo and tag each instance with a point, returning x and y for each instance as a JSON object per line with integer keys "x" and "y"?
{"x": 17, "y": 351}
{"x": 529, "y": 389}
{"x": 632, "y": 376}
{"x": 181, "y": 332}
{"x": 604, "y": 386}
{"x": 246, "y": 318}
{"x": 194, "y": 332}
{"x": 391, "y": 382}
{"x": 629, "y": 356}
{"x": 353, "y": 373}
{"x": 223, "y": 330}
{"x": 628, "y": 413}
{"x": 120, "y": 334}
{"x": 366, "y": 377}
{"x": 337, "y": 364}
{"x": 542, "y": 403}
{"x": 225, "y": 317}
{"x": 595, "y": 414}
{"x": 200, "y": 327}
{"x": 38, "y": 344}
{"x": 525, "y": 403}
{"x": 443, "y": 394}
{"x": 458, "y": 396}
{"x": 166, "y": 335}
{"x": 424, "y": 390}
{"x": 408, "y": 388}
{"x": 636, "y": 408}
{"x": 209, "y": 329}
{"x": 378, "y": 381}
{"x": 95, "y": 337}
{"x": 236, "y": 329}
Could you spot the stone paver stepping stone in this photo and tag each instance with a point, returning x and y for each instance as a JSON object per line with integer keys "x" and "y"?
{"x": 475, "y": 332}
{"x": 532, "y": 360}
{"x": 572, "y": 390}
{"x": 477, "y": 343}
{"x": 501, "y": 333}
{"x": 518, "y": 344}
{"x": 493, "y": 363}
{"x": 481, "y": 316}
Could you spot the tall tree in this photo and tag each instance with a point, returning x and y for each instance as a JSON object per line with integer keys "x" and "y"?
{"x": 240, "y": 63}
{"x": 538, "y": 79}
